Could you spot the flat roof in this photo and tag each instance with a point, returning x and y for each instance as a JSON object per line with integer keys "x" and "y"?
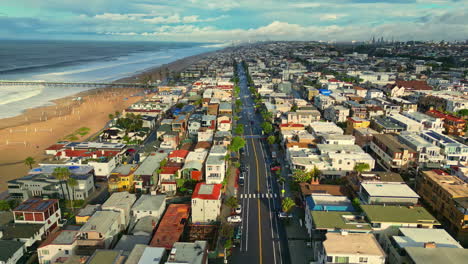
{"x": 120, "y": 200}
{"x": 104, "y": 257}
{"x": 124, "y": 169}
{"x": 89, "y": 210}
{"x": 339, "y": 220}
{"x": 190, "y": 253}
{"x": 95, "y": 145}
{"x": 417, "y": 237}
{"x": 152, "y": 255}
{"x": 352, "y": 243}
{"x": 36, "y": 205}
{"x": 437, "y": 255}
{"x": 207, "y": 191}
{"x": 455, "y": 186}
{"x": 389, "y": 190}
{"x": 74, "y": 169}
{"x": 151, "y": 163}
{"x": 100, "y": 222}
{"x": 9, "y": 248}
{"x": 398, "y": 214}
{"x": 323, "y": 189}
{"x": 148, "y": 202}
{"x": 392, "y": 143}
{"x": 171, "y": 226}
{"x": 387, "y": 123}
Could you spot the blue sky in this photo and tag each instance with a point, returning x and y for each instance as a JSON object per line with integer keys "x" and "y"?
{"x": 234, "y": 20}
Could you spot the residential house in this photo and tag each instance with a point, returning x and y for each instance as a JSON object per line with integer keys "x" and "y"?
{"x": 324, "y": 128}
{"x": 60, "y": 245}
{"x": 189, "y": 252}
{"x": 429, "y": 122}
{"x": 170, "y": 141}
{"x": 147, "y": 173}
{"x": 224, "y": 123}
{"x": 384, "y": 124}
{"x": 355, "y": 179}
{"x": 429, "y": 154}
{"x": 354, "y": 123}
{"x": 357, "y": 110}
{"x": 452, "y": 124}
{"x": 215, "y": 167}
{"x": 44, "y": 212}
{"x": 351, "y": 248}
{"x": 387, "y": 194}
{"x": 11, "y": 252}
{"x": 149, "y": 205}
{"x": 171, "y": 226}
{"x": 180, "y": 124}
{"x": 363, "y": 137}
{"x": 303, "y": 117}
{"x": 407, "y": 123}
{"x": 206, "y": 203}
{"x": 225, "y": 108}
{"x": 391, "y": 153}
{"x": 447, "y": 197}
{"x": 194, "y": 164}
{"x": 455, "y": 153}
{"x": 121, "y": 178}
{"x": 323, "y": 101}
{"x": 120, "y": 202}
{"x": 40, "y": 182}
{"x": 85, "y": 213}
{"x": 336, "y": 113}
{"x": 396, "y": 246}
{"x": 100, "y": 231}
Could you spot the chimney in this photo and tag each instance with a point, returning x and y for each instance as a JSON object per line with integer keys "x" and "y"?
{"x": 315, "y": 181}
{"x": 430, "y": 245}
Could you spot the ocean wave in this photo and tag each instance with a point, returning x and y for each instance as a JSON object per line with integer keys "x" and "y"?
{"x": 15, "y": 93}
{"x": 217, "y": 45}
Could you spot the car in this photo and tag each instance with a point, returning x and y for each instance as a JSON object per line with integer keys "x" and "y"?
{"x": 276, "y": 168}
{"x": 242, "y": 176}
{"x": 238, "y": 209}
{"x": 234, "y": 219}
{"x": 241, "y": 182}
{"x": 284, "y": 215}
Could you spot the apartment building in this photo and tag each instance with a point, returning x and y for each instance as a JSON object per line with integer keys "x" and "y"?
{"x": 429, "y": 122}
{"x": 336, "y": 113}
{"x": 355, "y": 123}
{"x": 452, "y": 124}
{"x": 447, "y": 196}
{"x": 391, "y": 153}
{"x": 407, "y": 123}
{"x": 455, "y": 153}
{"x": 206, "y": 203}
{"x": 39, "y": 211}
{"x": 429, "y": 155}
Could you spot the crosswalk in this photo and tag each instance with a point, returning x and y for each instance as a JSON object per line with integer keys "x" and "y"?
{"x": 258, "y": 195}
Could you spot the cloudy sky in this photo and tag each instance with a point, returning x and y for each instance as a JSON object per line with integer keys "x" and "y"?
{"x": 234, "y": 20}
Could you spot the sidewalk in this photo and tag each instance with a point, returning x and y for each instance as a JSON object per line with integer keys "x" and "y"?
{"x": 296, "y": 234}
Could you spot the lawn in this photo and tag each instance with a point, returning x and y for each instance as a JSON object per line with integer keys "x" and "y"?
{"x": 79, "y": 133}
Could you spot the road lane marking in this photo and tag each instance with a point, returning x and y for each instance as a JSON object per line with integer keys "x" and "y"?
{"x": 258, "y": 206}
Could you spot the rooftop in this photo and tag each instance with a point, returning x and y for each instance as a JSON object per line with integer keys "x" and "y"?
{"x": 125, "y": 169}
{"x": 190, "y": 253}
{"x": 95, "y": 145}
{"x": 455, "y": 186}
{"x": 152, "y": 255}
{"x": 120, "y": 200}
{"x": 101, "y": 221}
{"x": 398, "y": 214}
{"x": 62, "y": 237}
{"x": 215, "y": 160}
{"x": 105, "y": 257}
{"x": 437, "y": 255}
{"x": 353, "y": 243}
{"x": 339, "y": 221}
{"x": 9, "y": 248}
{"x": 389, "y": 190}
{"x": 36, "y": 205}
{"x": 387, "y": 123}
{"x": 391, "y": 142}
{"x": 89, "y": 210}
{"x": 417, "y": 237}
{"x": 150, "y": 164}
{"x": 207, "y": 191}
{"x": 323, "y": 189}
{"x": 149, "y": 202}
{"x": 171, "y": 226}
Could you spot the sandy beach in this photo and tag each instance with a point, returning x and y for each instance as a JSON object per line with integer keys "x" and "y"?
{"x": 31, "y": 132}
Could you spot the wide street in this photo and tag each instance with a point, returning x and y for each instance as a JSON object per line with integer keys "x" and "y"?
{"x": 263, "y": 234}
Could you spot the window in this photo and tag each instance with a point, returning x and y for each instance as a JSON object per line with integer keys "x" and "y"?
{"x": 67, "y": 252}
{"x": 342, "y": 260}
{"x": 329, "y": 258}
{"x": 362, "y": 260}
{"x": 45, "y": 252}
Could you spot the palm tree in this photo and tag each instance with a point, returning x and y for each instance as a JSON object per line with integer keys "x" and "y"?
{"x": 66, "y": 176}
{"x": 72, "y": 183}
{"x": 29, "y": 161}
{"x": 287, "y": 204}
{"x": 58, "y": 174}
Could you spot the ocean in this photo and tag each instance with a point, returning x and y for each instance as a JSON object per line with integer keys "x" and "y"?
{"x": 77, "y": 61}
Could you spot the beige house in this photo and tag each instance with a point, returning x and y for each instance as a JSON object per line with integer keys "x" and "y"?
{"x": 206, "y": 202}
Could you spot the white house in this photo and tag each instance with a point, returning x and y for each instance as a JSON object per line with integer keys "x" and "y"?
{"x": 120, "y": 202}
{"x": 206, "y": 202}
{"x": 149, "y": 205}
{"x": 61, "y": 245}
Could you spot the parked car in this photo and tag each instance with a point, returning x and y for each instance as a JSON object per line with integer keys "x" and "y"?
{"x": 284, "y": 215}
{"x": 234, "y": 219}
{"x": 238, "y": 209}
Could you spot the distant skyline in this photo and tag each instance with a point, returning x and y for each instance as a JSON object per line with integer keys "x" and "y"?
{"x": 234, "y": 20}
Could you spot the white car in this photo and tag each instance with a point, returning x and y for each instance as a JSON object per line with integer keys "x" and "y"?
{"x": 234, "y": 219}
{"x": 238, "y": 209}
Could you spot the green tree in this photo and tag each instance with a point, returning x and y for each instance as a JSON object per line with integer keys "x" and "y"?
{"x": 232, "y": 202}
{"x": 62, "y": 174}
{"x": 287, "y": 204}
{"x": 117, "y": 114}
{"x": 29, "y": 161}
{"x": 463, "y": 112}
{"x": 267, "y": 127}
{"x": 294, "y": 108}
{"x": 271, "y": 140}
{"x": 361, "y": 167}
{"x": 238, "y": 103}
{"x": 236, "y": 144}
{"x": 199, "y": 102}
{"x": 301, "y": 176}
{"x": 4, "y": 205}
{"x": 111, "y": 116}
{"x": 239, "y": 130}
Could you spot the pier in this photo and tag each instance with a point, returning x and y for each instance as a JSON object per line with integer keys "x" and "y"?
{"x": 77, "y": 84}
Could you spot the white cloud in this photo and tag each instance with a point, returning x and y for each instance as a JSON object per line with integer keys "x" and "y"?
{"x": 328, "y": 17}
{"x": 305, "y": 5}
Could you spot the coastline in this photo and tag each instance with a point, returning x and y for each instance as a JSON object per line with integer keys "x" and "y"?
{"x": 29, "y": 133}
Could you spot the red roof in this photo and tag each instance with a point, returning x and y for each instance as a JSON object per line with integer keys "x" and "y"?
{"x": 87, "y": 153}
{"x": 180, "y": 153}
{"x": 333, "y": 80}
{"x": 439, "y": 114}
{"x": 169, "y": 170}
{"x": 226, "y": 122}
{"x": 413, "y": 85}
{"x": 171, "y": 226}
{"x": 55, "y": 147}
{"x": 291, "y": 125}
{"x": 215, "y": 192}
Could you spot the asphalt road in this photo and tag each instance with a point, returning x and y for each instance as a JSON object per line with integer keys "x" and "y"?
{"x": 263, "y": 234}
